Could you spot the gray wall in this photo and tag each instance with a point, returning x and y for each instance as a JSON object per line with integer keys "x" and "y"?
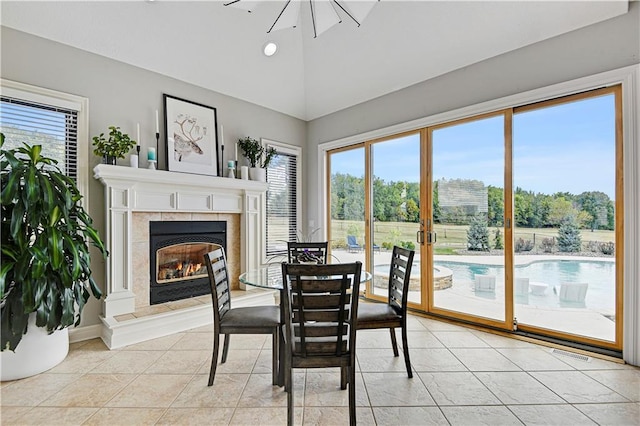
{"x": 123, "y": 95}
{"x": 600, "y": 47}
{"x": 120, "y": 94}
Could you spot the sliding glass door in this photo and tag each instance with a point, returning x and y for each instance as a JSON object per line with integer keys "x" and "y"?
{"x": 565, "y": 159}
{"x": 395, "y": 205}
{"x": 347, "y": 205}
{"x": 465, "y": 227}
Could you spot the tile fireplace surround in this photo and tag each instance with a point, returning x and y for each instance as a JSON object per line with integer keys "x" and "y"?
{"x": 133, "y": 197}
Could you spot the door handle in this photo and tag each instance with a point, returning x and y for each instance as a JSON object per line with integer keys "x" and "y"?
{"x": 420, "y": 237}
{"x": 431, "y": 237}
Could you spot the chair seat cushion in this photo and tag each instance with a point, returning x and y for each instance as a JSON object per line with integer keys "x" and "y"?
{"x": 374, "y": 312}
{"x": 252, "y": 316}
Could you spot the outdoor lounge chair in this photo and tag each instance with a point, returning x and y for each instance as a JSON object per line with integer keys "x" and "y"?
{"x": 522, "y": 287}
{"x": 521, "y": 290}
{"x": 352, "y": 244}
{"x": 573, "y": 292}
{"x": 485, "y": 283}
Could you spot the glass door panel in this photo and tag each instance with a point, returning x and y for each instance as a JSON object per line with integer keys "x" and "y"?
{"x": 395, "y": 205}
{"x": 347, "y": 207}
{"x": 564, "y": 171}
{"x": 467, "y": 214}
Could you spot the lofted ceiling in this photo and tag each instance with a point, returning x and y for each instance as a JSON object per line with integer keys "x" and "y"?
{"x": 400, "y": 43}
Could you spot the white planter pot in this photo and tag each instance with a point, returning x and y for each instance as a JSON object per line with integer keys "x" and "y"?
{"x": 258, "y": 173}
{"x": 37, "y": 352}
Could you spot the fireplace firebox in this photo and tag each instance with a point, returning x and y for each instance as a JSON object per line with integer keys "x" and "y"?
{"x": 176, "y": 256}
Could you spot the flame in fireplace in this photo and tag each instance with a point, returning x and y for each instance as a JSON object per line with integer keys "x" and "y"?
{"x": 176, "y": 271}
{"x": 182, "y": 261}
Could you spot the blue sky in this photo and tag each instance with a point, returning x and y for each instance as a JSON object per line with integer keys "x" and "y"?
{"x": 568, "y": 147}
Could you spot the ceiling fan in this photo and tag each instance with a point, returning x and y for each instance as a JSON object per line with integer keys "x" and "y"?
{"x": 324, "y": 13}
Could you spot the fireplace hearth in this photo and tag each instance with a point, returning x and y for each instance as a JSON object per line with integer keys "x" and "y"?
{"x": 176, "y": 256}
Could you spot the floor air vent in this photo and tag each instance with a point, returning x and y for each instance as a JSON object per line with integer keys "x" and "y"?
{"x": 571, "y": 355}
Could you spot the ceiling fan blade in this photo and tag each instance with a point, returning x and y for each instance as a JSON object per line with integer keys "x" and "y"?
{"x": 288, "y": 17}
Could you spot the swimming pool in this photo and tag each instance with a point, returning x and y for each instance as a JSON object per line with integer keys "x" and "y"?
{"x": 599, "y": 274}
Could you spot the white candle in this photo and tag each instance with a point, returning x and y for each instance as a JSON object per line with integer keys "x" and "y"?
{"x": 138, "y": 139}
{"x": 221, "y": 135}
{"x": 157, "y": 123}
{"x": 151, "y": 154}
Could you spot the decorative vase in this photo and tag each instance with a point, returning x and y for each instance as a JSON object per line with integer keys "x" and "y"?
{"x": 37, "y": 352}
{"x": 258, "y": 173}
{"x": 108, "y": 159}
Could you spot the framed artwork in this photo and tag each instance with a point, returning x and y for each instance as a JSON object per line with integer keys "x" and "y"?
{"x": 192, "y": 141}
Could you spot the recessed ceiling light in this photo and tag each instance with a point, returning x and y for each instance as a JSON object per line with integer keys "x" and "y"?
{"x": 270, "y": 48}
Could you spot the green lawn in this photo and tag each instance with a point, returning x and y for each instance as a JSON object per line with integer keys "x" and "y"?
{"x": 448, "y": 237}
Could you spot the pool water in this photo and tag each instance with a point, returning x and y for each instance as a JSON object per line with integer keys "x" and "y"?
{"x": 599, "y": 274}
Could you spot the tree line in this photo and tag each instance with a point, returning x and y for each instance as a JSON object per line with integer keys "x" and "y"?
{"x": 399, "y": 201}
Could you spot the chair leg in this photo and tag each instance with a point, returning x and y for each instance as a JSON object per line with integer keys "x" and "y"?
{"x": 214, "y": 358}
{"x": 344, "y": 379}
{"x": 288, "y": 385}
{"x": 352, "y": 395}
{"x": 394, "y": 343}
{"x": 225, "y": 348}
{"x": 274, "y": 357}
{"x": 405, "y": 348}
{"x": 281, "y": 357}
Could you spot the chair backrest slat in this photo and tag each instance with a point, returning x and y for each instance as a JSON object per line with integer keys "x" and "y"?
{"x": 298, "y": 252}
{"x": 219, "y": 281}
{"x": 320, "y": 301}
{"x": 399, "y": 278}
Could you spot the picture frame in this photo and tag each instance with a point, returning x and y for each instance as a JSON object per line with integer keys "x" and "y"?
{"x": 191, "y": 131}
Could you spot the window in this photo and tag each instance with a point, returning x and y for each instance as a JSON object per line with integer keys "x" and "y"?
{"x": 54, "y": 120}
{"x": 35, "y": 124}
{"x": 283, "y": 198}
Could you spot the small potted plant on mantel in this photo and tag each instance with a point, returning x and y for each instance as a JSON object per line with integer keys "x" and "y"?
{"x": 45, "y": 279}
{"x": 116, "y": 146}
{"x": 259, "y": 157}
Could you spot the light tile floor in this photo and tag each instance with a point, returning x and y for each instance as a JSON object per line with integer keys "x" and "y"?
{"x": 462, "y": 377}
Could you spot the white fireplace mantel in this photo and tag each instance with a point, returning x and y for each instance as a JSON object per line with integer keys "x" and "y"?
{"x": 129, "y": 190}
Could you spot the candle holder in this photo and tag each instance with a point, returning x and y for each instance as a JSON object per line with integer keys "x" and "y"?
{"x": 232, "y": 169}
{"x": 152, "y": 164}
{"x": 157, "y": 142}
{"x": 222, "y": 159}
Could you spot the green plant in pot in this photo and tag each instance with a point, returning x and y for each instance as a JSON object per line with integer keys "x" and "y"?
{"x": 46, "y": 232}
{"x": 259, "y": 157}
{"x": 116, "y": 146}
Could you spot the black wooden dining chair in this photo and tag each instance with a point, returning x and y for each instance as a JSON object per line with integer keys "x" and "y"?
{"x": 320, "y": 306}
{"x": 299, "y": 252}
{"x": 393, "y": 313}
{"x": 245, "y": 320}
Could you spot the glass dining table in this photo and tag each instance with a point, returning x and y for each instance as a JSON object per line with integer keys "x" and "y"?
{"x": 270, "y": 277}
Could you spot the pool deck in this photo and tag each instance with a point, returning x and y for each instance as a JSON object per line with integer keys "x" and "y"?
{"x": 461, "y": 297}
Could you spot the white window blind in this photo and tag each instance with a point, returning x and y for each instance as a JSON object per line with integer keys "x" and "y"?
{"x": 282, "y": 202}
{"x": 55, "y": 128}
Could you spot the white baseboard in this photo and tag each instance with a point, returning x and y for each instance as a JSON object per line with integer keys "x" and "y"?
{"x": 78, "y": 334}
{"x": 117, "y": 334}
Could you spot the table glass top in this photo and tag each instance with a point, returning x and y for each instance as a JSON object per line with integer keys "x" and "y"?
{"x": 270, "y": 276}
